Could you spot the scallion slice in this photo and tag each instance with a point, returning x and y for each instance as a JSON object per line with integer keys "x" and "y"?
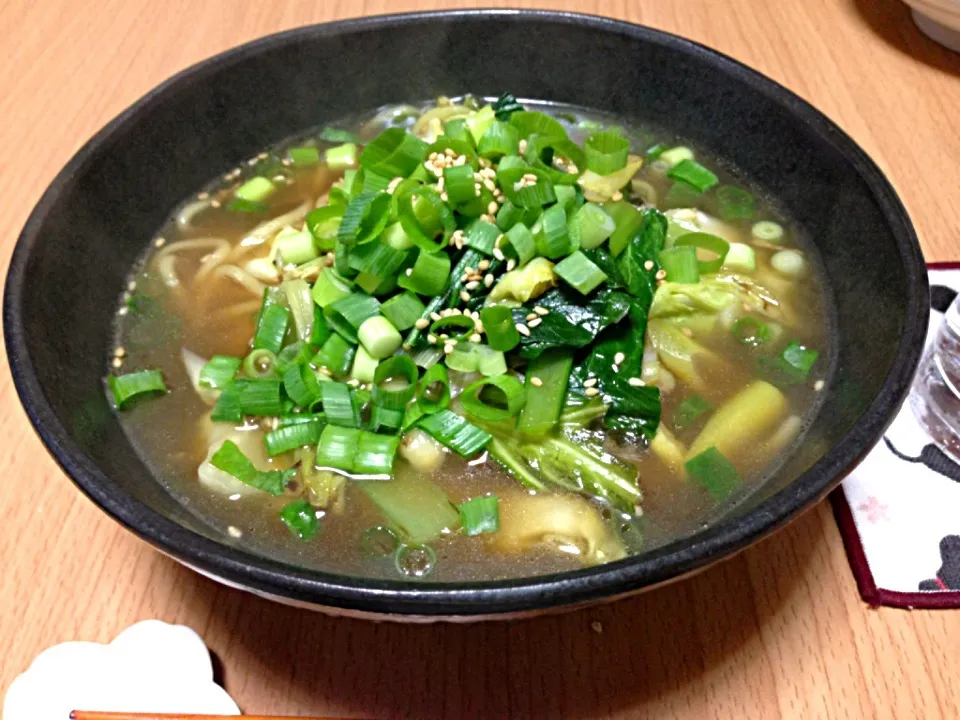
{"x": 464, "y": 358}
{"x": 767, "y": 231}
{"x": 433, "y": 393}
{"x": 455, "y": 327}
{"x": 606, "y": 152}
{"x": 693, "y": 174}
{"x": 455, "y": 432}
{"x": 594, "y": 225}
{"x": 393, "y": 153}
{"x": 260, "y": 363}
{"x": 531, "y": 122}
{"x": 336, "y": 355}
{"x": 709, "y": 243}
{"x": 518, "y": 185}
{"x": 337, "y": 447}
{"x": 384, "y": 420}
{"x": 339, "y": 405}
{"x": 291, "y": 437}
{"x": 296, "y": 248}
{"x": 580, "y": 272}
{"x": 341, "y": 157}
{"x": 493, "y": 399}
{"x": 519, "y": 242}
{"x": 348, "y": 314}
{"x": 500, "y": 139}
{"x": 219, "y": 371}
{"x": 364, "y": 365}
{"x": 500, "y": 329}
{"x": 271, "y": 326}
{"x": 403, "y": 310}
{"x": 301, "y": 384}
{"x": 255, "y": 190}
{"x": 364, "y": 218}
{"x": 395, "y": 382}
{"x": 324, "y": 224}
{"x": 230, "y": 459}
{"x": 712, "y": 470}
{"x": 458, "y": 183}
{"x": 301, "y": 519}
{"x": 429, "y": 274}
{"x": 490, "y": 362}
{"x": 480, "y": 515}
{"x": 689, "y": 411}
{"x": 380, "y": 338}
{"x": 479, "y": 121}
{"x": 127, "y": 388}
{"x": 680, "y": 264}
{"x": 546, "y": 388}
{"x": 426, "y": 218}
{"x": 735, "y": 203}
{"x": 553, "y": 241}
{"x": 335, "y": 135}
{"x": 378, "y": 259}
{"x": 329, "y": 287}
{"x": 481, "y": 235}
{"x": 750, "y": 331}
{"x": 375, "y": 453}
{"x": 304, "y": 156}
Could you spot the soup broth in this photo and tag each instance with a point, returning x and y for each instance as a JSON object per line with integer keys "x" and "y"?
{"x": 736, "y": 343}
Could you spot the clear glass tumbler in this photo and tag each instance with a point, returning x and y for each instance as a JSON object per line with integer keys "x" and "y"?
{"x": 935, "y": 398}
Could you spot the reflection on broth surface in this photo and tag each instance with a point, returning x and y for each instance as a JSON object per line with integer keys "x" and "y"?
{"x": 553, "y": 341}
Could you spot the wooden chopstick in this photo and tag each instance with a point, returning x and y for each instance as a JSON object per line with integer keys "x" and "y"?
{"x": 94, "y": 715}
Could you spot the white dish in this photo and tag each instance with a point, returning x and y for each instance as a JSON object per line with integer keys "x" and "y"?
{"x": 939, "y": 20}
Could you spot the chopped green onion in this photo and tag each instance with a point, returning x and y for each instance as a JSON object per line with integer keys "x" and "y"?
{"x": 364, "y": 218}
{"x": 302, "y": 307}
{"x": 710, "y": 243}
{"x": 219, "y": 371}
{"x": 455, "y": 432}
{"x": 693, "y": 174}
{"x": 580, "y": 273}
{"x": 429, "y": 274}
{"x": 341, "y": 157}
{"x": 505, "y": 106}
{"x": 336, "y": 355}
{"x": 740, "y": 257}
{"x": 338, "y": 405}
{"x": 546, "y": 388}
{"x": 384, "y": 420}
{"x": 654, "y": 151}
{"x": 255, "y": 190}
{"x": 456, "y": 327}
{"x": 493, "y": 399}
{"x": 750, "y": 331}
{"x": 426, "y": 218}
{"x": 481, "y": 235}
{"x": 606, "y": 152}
{"x": 377, "y": 258}
{"x": 515, "y": 186}
{"x": 271, "y": 326}
{"x": 531, "y": 122}
{"x": 680, "y": 264}
{"x": 553, "y": 241}
{"x": 126, "y": 388}
{"x": 300, "y": 383}
{"x": 480, "y": 515}
{"x": 789, "y": 263}
{"x": 416, "y": 507}
{"x": 337, "y": 136}
{"x": 395, "y": 382}
{"x": 348, "y": 314}
{"x": 464, "y": 358}
{"x": 324, "y": 224}
{"x": 689, "y": 410}
{"x": 712, "y": 470}
{"x": 379, "y": 337}
{"x": 626, "y": 218}
{"x": 403, "y": 310}
{"x": 304, "y": 156}
{"x": 375, "y": 454}
{"x": 490, "y": 362}
{"x": 541, "y": 151}
{"x": 259, "y": 363}
{"x": 374, "y": 182}
{"x": 231, "y": 460}
{"x": 566, "y": 198}
{"x": 500, "y": 329}
{"x": 411, "y": 416}
{"x": 291, "y": 437}
{"x": 433, "y": 393}
{"x": 337, "y": 447}
{"x": 364, "y": 365}
{"x": 300, "y": 517}
{"x": 519, "y": 242}
{"x": 456, "y": 129}
{"x": 393, "y": 153}
{"x": 794, "y": 363}
{"x": 479, "y": 122}
{"x": 500, "y": 139}
{"x": 594, "y": 225}
{"x": 674, "y": 156}
{"x": 767, "y": 231}
{"x": 329, "y": 287}
{"x": 458, "y": 183}
{"x": 735, "y": 203}
{"x": 296, "y": 248}
{"x": 681, "y": 195}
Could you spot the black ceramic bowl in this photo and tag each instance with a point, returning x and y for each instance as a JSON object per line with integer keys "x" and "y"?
{"x": 99, "y": 213}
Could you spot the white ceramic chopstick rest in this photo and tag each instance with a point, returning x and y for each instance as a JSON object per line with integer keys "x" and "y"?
{"x": 149, "y": 667}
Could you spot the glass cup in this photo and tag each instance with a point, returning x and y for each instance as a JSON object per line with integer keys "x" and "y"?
{"x": 935, "y": 397}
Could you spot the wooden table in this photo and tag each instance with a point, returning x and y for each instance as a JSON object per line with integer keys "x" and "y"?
{"x": 778, "y": 631}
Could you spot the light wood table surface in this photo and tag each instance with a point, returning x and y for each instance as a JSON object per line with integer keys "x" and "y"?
{"x": 777, "y": 632}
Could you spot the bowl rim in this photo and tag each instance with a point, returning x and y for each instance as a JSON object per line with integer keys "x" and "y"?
{"x": 487, "y": 598}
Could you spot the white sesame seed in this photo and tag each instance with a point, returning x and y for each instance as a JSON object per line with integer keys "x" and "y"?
{"x": 203, "y": 196}
{"x": 488, "y": 280}
{"x": 492, "y": 207}
{"x": 591, "y": 392}
{"x": 489, "y": 185}
{"x": 498, "y": 253}
{"x": 450, "y": 152}
{"x": 536, "y": 382}
{"x": 636, "y": 382}
{"x": 444, "y": 197}
{"x": 475, "y": 338}
{"x": 214, "y": 204}
{"x": 326, "y": 371}
{"x": 459, "y": 243}
{"x": 619, "y": 358}
{"x": 532, "y": 316}
{"x": 455, "y": 311}
{"x": 120, "y": 352}
{"x": 648, "y": 265}
{"x": 159, "y": 242}
{"x": 818, "y": 386}
{"x": 123, "y": 311}
{"x": 422, "y": 323}
{"x": 353, "y": 382}
{"x": 615, "y": 368}
{"x": 661, "y": 274}
{"x": 523, "y": 146}
{"x": 446, "y": 312}
{"x": 472, "y": 285}
{"x": 540, "y": 310}
{"x": 590, "y": 383}
{"x": 617, "y": 196}
{"x": 444, "y": 336}
{"x": 432, "y": 339}
{"x": 438, "y": 172}
{"x": 523, "y": 329}
{"x": 461, "y": 160}
{"x": 483, "y": 264}
{"x": 465, "y": 296}
{"x": 488, "y": 218}
{"x": 234, "y": 532}
{"x": 511, "y": 264}
{"x": 435, "y": 315}
{"x": 447, "y": 349}
{"x": 117, "y": 363}
{"x": 409, "y": 272}
{"x": 478, "y": 177}
{"x": 536, "y": 321}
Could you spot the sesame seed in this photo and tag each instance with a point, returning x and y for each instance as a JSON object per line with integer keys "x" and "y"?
{"x": 326, "y": 371}
{"x": 203, "y": 196}
{"x": 117, "y": 363}
{"x": 450, "y": 153}
{"x": 123, "y": 311}
{"x": 536, "y": 382}
{"x": 234, "y": 532}
{"x": 409, "y": 272}
{"x": 498, "y": 253}
{"x": 483, "y": 265}
{"x": 120, "y": 352}
{"x": 488, "y": 218}
{"x": 590, "y": 383}
{"x": 444, "y": 336}
{"x": 446, "y": 312}
{"x": 478, "y": 177}
{"x": 447, "y": 349}
{"x": 422, "y": 323}
{"x": 489, "y": 185}
{"x": 214, "y": 204}
{"x": 615, "y": 368}
{"x": 435, "y": 315}
{"x": 432, "y": 339}
{"x": 475, "y": 338}
{"x": 636, "y": 382}
{"x": 661, "y": 274}
{"x": 492, "y": 207}
{"x": 648, "y": 265}
{"x": 573, "y": 169}
{"x": 619, "y": 358}
{"x": 818, "y": 386}
{"x": 488, "y": 280}
{"x": 353, "y": 382}
{"x": 465, "y": 296}
{"x": 444, "y": 197}
{"x": 687, "y": 331}
{"x": 461, "y": 160}
{"x": 472, "y": 285}
{"x": 438, "y": 172}
{"x": 532, "y": 316}
{"x": 536, "y": 321}
{"x": 591, "y": 392}
{"x": 496, "y": 243}
{"x": 511, "y": 264}
{"x": 540, "y": 310}
{"x": 523, "y": 329}
{"x": 159, "y": 242}
{"x": 523, "y": 147}
{"x": 455, "y": 311}
{"x": 617, "y": 196}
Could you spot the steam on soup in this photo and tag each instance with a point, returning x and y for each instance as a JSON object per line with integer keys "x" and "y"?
{"x": 469, "y": 342}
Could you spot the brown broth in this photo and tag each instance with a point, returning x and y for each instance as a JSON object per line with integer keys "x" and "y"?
{"x": 214, "y": 314}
